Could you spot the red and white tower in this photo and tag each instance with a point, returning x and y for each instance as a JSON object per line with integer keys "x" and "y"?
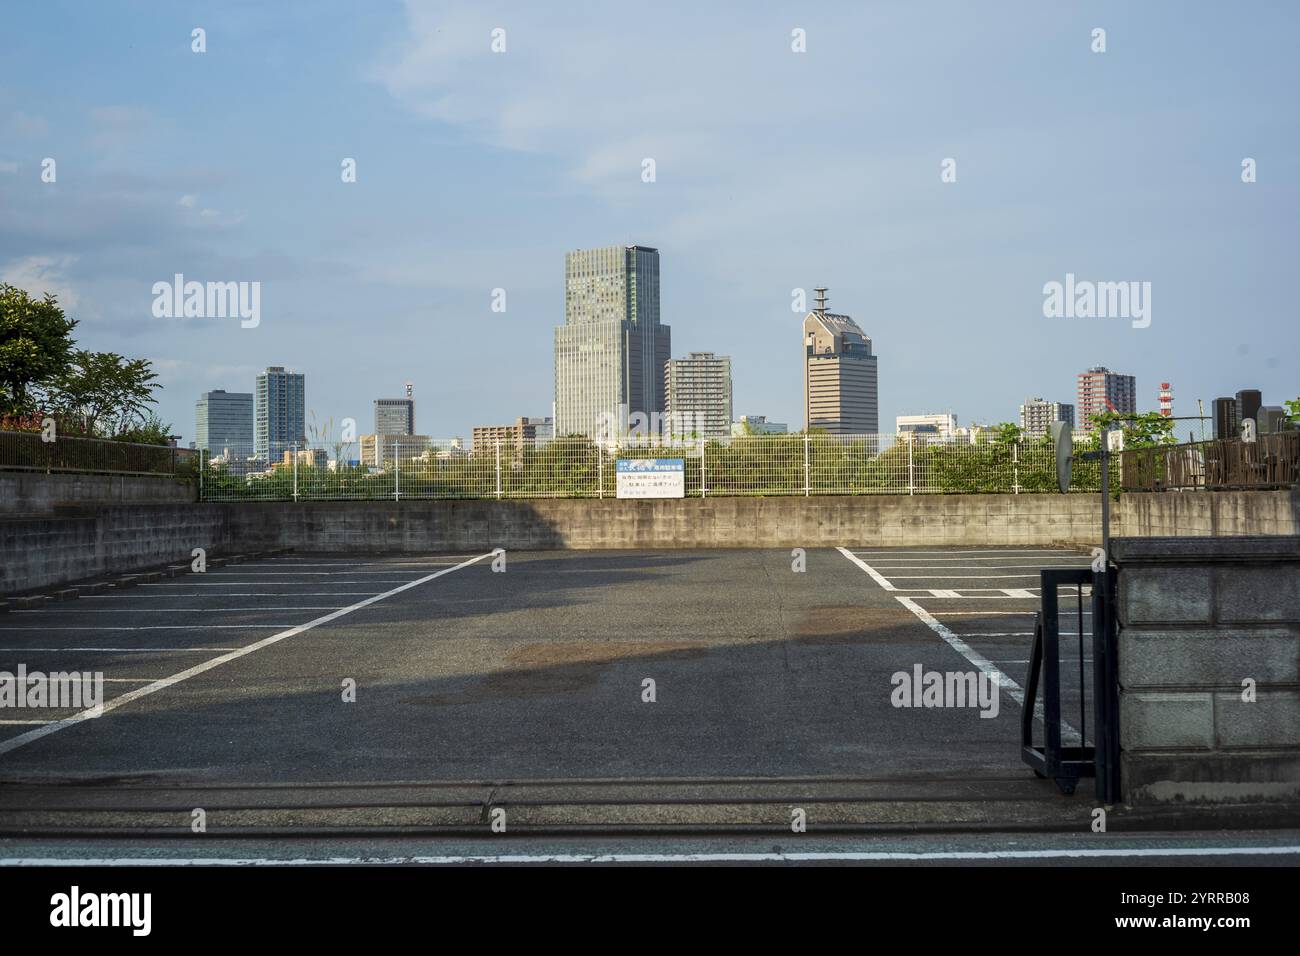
{"x": 1166, "y": 400}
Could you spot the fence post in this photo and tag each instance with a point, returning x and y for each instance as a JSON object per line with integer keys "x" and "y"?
{"x": 498, "y": 467}
{"x": 295, "y": 471}
{"x": 911, "y": 484}
{"x": 807, "y": 485}
{"x": 201, "y": 470}
{"x": 1015, "y": 468}
{"x": 397, "y": 471}
{"x": 702, "y": 485}
{"x": 600, "y": 470}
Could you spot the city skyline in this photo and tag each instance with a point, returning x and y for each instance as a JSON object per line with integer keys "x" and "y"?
{"x": 533, "y": 151}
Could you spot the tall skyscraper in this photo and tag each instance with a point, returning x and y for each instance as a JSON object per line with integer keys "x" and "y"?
{"x": 395, "y": 416}
{"x": 1101, "y": 390}
{"x": 280, "y": 412}
{"x": 1227, "y": 423}
{"x": 1037, "y": 415}
{"x": 697, "y": 396}
{"x": 1249, "y": 401}
{"x": 611, "y": 351}
{"x": 224, "y": 420}
{"x": 841, "y": 392}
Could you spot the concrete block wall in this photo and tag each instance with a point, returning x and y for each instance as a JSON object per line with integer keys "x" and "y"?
{"x": 38, "y": 552}
{"x": 35, "y": 493}
{"x": 420, "y": 525}
{"x": 1198, "y": 616}
{"x": 1156, "y": 514}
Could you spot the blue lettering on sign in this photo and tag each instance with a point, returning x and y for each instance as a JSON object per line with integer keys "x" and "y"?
{"x": 642, "y": 465}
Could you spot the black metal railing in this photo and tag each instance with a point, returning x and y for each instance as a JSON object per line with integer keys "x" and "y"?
{"x": 1066, "y": 754}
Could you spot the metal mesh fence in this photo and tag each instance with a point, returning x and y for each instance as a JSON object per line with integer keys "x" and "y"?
{"x": 29, "y": 451}
{"x": 574, "y": 467}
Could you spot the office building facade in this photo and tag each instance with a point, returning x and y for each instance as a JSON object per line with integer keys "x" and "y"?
{"x": 223, "y": 421}
{"x": 395, "y": 416}
{"x": 611, "y": 351}
{"x": 841, "y": 388}
{"x": 697, "y": 396}
{"x": 279, "y": 412}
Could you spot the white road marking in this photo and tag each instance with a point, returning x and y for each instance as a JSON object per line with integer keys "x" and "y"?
{"x": 109, "y": 650}
{"x": 178, "y": 610}
{"x": 942, "y": 593}
{"x": 1000, "y": 634}
{"x": 146, "y": 627}
{"x": 88, "y": 597}
{"x": 1010, "y": 613}
{"x": 33, "y": 735}
{"x": 1068, "y": 734}
{"x": 994, "y": 551}
{"x": 256, "y": 584}
{"x": 946, "y": 567}
{"x": 776, "y": 857}
{"x": 1018, "y": 593}
{"x": 949, "y": 577}
{"x": 879, "y": 579}
{"x": 8, "y": 723}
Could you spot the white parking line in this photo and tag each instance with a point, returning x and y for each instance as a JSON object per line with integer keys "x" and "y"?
{"x": 146, "y": 627}
{"x": 89, "y": 597}
{"x": 31, "y": 736}
{"x": 958, "y": 567}
{"x": 877, "y": 576}
{"x": 973, "y": 551}
{"x": 256, "y": 584}
{"x": 1014, "y": 690}
{"x": 108, "y": 650}
{"x": 175, "y": 610}
{"x": 951, "y": 577}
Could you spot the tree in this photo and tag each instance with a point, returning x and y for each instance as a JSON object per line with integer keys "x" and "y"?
{"x": 35, "y": 346}
{"x": 1142, "y": 430}
{"x": 105, "y": 393}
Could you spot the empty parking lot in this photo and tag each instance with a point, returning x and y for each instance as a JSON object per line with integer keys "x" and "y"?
{"x": 359, "y": 671}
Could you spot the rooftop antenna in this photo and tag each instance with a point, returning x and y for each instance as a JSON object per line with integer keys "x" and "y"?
{"x": 409, "y": 389}
{"x": 821, "y": 299}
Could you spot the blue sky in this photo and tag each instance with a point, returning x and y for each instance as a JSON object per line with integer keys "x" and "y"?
{"x": 775, "y": 170}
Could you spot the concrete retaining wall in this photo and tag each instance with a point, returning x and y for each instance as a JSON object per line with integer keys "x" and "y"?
{"x": 1157, "y": 514}
{"x": 682, "y": 523}
{"x": 1198, "y": 616}
{"x": 36, "y": 493}
{"x": 127, "y": 522}
{"x": 39, "y": 552}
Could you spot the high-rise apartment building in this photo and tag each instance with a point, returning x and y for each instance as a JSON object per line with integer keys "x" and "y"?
{"x": 697, "y": 396}
{"x": 395, "y": 416}
{"x": 279, "y": 412}
{"x": 1037, "y": 415}
{"x": 223, "y": 421}
{"x": 611, "y": 351}
{"x": 524, "y": 433}
{"x": 840, "y": 383}
{"x": 1101, "y": 390}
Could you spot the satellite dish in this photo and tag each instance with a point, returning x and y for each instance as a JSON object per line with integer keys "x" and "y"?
{"x": 1063, "y": 439}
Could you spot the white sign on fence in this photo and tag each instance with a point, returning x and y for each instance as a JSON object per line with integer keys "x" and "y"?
{"x": 651, "y": 478}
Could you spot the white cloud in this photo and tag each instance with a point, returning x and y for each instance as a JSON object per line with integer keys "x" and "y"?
{"x": 37, "y": 275}
{"x": 187, "y": 201}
